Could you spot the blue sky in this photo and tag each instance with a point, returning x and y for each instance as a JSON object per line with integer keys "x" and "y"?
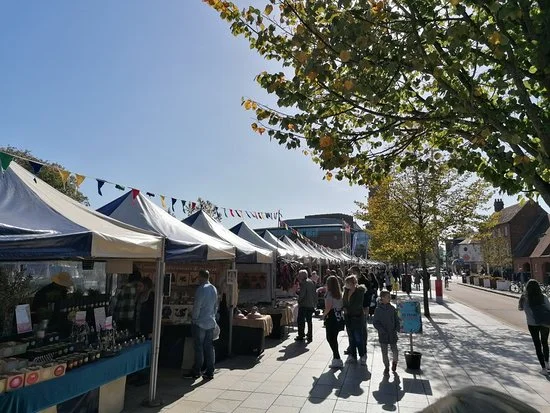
{"x": 148, "y": 94}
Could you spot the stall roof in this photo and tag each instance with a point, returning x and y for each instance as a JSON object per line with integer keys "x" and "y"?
{"x": 183, "y": 243}
{"x": 247, "y": 233}
{"x": 312, "y": 251}
{"x": 272, "y": 239}
{"x": 39, "y": 222}
{"x": 295, "y": 247}
{"x": 246, "y": 251}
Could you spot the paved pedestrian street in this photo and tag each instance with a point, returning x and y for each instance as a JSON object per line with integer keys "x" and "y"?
{"x": 460, "y": 347}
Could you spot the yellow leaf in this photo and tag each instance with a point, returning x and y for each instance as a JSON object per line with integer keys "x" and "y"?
{"x": 328, "y": 176}
{"x": 254, "y": 126}
{"x": 248, "y": 105}
{"x": 306, "y": 153}
{"x": 345, "y": 56}
{"x": 312, "y": 75}
{"x": 254, "y": 105}
{"x": 300, "y": 29}
{"x": 301, "y": 57}
{"x": 495, "y": 38}
{"x": 291, "y": 126}
{"x": 348, "y": 84}
{"x": 261, "y": 131}
{"x": 268, "y": 9}
{"x": 325, "y": 141}
{"x": 455, "y": 2}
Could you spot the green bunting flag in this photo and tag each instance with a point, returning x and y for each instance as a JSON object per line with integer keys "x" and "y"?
{"x": 117, "y": 186}
{"x": 5, "y": 160}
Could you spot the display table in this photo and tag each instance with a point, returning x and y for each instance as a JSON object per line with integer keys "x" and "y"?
{"x": 265, "y": 322}
{"x": 77, "y": 382}
{"x": 281, "y": 318}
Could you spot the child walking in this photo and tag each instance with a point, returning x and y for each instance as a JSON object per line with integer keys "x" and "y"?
{"x": 386, "y": 323}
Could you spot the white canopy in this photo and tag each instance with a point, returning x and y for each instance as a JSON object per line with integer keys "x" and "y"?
{"x": 183, "y": 244}
{"x": 246, "y": 252}
{"x": 282, "y": 248}
{"x": 295, "y": 247}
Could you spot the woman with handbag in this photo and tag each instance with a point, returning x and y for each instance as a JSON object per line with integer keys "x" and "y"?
{"x": 334, "y": 319}
{"x": 537, "y": 312}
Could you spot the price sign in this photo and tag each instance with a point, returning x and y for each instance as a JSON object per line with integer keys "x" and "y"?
{"x": 410, "y": 316}
{"x": 23, "y": 318}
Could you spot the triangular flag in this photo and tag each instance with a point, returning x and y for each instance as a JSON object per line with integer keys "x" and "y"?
{"x": 239, "y": 213}
{"x": 193, "y": 205}
{"x": 117, "y": 186}
{"x": 100, "y": 184}
{"x": 231, "y": 212}
{"x": 267, "y": 215}
{"x": 135, "y": 193}
{"x": 183, "y": 205}
{"x": 225, "y": 212}
{"x": 79, "y": 179}
{"x": 174, "y": 200}
{"x": 248, "y": 214}
{"x": 260, "y": 215}
{"x": 62, "y": 173}
{"x": 254, "y": 215}
{"x": 5, "y": 160}
{"x": 163, "y": 201}
{"x": 150, "y": 194}
{"x": 36, "y": 167}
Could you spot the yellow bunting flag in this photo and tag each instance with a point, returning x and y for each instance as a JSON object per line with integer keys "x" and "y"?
{"x": 163, "y": 201}
{"x": 64, "y": 176}
{"x": 79, "y": 179}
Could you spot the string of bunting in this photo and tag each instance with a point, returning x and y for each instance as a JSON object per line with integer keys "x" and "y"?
{"x": 7, "y": 158}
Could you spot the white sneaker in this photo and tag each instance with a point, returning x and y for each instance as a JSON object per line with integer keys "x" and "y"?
{"x": 336, "y": 364}
{"x": 351, "y": 359}
{"x": 364, "y": 360}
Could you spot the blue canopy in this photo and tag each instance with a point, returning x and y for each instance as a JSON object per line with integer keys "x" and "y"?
{"x": 37, "y": 222}
{"x": 183, "y": 243}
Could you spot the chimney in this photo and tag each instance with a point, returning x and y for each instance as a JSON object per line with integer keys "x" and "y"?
{"x": 499, "y": 205}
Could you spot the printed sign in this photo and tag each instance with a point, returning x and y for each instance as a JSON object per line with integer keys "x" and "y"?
{"x": 80, "y": 318}
{"x": 109, "y": 323}
{"x": 23, "y": 318}
{"x": 410, "y": 316}
{"x": 99, "y": 316}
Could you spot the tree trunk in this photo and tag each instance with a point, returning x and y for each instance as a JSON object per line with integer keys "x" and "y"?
{"x": 425, "y": 283}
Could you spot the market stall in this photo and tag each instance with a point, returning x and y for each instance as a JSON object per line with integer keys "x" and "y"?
{"x": 187, "y": 252}
{"x": 248, "y": 257}
{"x": 40, "y": 367}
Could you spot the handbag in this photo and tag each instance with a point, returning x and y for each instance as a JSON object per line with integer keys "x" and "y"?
{"x": 216, "y": 332}
{"x": 541, "y": 314}
{"x": 336, "y": 317}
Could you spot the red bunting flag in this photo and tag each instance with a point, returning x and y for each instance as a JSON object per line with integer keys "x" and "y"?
{"x": 231, "y": 212}
{"x": 135, "y": 193}
{"x": 193, "y": 205}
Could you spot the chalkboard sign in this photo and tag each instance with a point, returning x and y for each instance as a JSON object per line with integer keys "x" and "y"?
{"x": 410, "y": 316}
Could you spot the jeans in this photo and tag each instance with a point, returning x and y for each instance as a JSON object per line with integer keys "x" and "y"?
{"x": 305, "y": 314}
{"x": 331, "y": 329}
{"x": 356, "y": 335}
{"x": 203, "y": 342}
{"x": 395, "y": 353}
{"x": 539, "y": 334}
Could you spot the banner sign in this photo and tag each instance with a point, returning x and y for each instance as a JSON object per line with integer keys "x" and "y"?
{"x": 411, "y": 317}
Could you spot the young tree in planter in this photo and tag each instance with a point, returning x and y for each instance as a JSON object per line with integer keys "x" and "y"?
{"x": 366, "y": 85}
{"x": 432, "y": 204}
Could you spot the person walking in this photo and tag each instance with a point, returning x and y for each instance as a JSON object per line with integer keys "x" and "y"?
{"x": 205, "y": 308}
{"x": 355, "y": 319}
{"x": 407, "y": 284}
{"x": 537, "y": 307}
{"x": 417, "y": 280}
{"x": 307, "y": 301}
{"x": 124, "y": 306}
{"x": 386, "y": 322}
{"x": 334, "y": 319}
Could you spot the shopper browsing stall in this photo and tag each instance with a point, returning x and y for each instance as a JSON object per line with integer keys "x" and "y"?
{"x": 307, "y": 301}
{"x": 124, "y": 306}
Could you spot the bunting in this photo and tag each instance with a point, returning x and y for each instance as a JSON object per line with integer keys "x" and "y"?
{"x": 79, "y": 179}
{"x": 100, "y": 184}
{"x": 135, "y": 193}
{"x": 64, "y": 176}
{"x": 36, "y": 167}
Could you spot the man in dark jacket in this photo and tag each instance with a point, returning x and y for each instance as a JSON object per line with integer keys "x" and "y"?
{"x": 307, "y": 301}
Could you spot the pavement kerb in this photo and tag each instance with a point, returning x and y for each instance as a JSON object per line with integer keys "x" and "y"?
{"x": 490, "y": 290}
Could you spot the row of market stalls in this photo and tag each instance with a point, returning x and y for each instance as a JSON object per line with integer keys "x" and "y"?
{"x": 38, "y": 223}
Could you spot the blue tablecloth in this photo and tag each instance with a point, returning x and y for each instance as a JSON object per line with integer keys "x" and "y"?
{"x": 76, "y": 382}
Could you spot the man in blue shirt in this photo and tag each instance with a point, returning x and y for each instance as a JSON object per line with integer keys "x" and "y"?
{"x": 205, "y": 308}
